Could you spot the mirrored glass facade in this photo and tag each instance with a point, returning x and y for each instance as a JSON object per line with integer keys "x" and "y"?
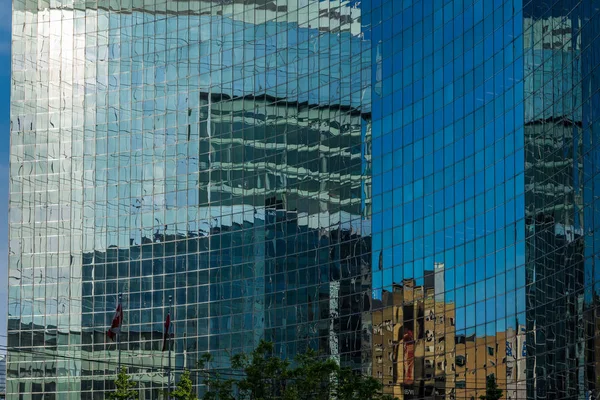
{"x": 409, "y": 187}
{"x": 214, "y": 152}
{"x": 483, "y": 168}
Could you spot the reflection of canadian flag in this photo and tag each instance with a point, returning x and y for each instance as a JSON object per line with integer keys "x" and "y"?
{"x": 409, "y": 356}
{"x": 166, "y": 333}
{"x": 115, "y": 327}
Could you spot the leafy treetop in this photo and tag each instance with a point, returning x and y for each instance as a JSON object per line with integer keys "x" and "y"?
{"x": 125, "y": 387}
{"x": 263, "y": 376}
{"x": 492, "y": 392}
{"x": 184, "y": 389}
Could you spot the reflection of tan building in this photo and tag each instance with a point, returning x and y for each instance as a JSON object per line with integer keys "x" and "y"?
{"x": 414, "y": 368}
{"x": 439, "y": 363}
{"x": 475, "y": 359}
{"x": 478, "y": 357}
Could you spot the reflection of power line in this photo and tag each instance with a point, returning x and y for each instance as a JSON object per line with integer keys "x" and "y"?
{"x": 221, "y": 372}
{"x": 50, "y": 357}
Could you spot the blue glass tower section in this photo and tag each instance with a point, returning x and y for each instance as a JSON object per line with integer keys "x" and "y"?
{"x": 484, "y": 172}
{"x": 448, "y": 176}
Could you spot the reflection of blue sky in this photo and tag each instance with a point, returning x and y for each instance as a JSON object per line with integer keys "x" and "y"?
{"x": 448, "y": 162}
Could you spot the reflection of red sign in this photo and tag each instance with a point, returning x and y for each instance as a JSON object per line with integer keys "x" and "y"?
{"x": 409, "y": 356}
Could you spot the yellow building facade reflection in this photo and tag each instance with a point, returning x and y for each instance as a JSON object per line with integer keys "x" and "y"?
{"x": 418, "y": 352}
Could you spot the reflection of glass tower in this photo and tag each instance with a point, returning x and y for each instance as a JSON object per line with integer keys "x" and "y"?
{"x": 215, "y": 152}
{"x": 554, "y": 208}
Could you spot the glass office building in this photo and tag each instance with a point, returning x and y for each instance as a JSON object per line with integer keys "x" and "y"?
{"x": 407, "y": 186}
{"x": 484, "y": 160}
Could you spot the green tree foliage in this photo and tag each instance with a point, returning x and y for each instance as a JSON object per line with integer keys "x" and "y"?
{"x": 125, "y": 387}
{"x": 184, "y": 389}
{"x": 217, "y": 387}
{"x": 492, "y": 392}
{"x": 264, "y": 376}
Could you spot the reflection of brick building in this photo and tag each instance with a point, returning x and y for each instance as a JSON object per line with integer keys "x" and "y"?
{"x": 418, "y": 354}
{"x": 477, "y": 357}
{"x": 411, "y": 337}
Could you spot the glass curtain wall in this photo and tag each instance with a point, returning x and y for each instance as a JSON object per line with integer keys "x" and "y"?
{"x": 409, "y": 187}
{"x": 215, "y": 153}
